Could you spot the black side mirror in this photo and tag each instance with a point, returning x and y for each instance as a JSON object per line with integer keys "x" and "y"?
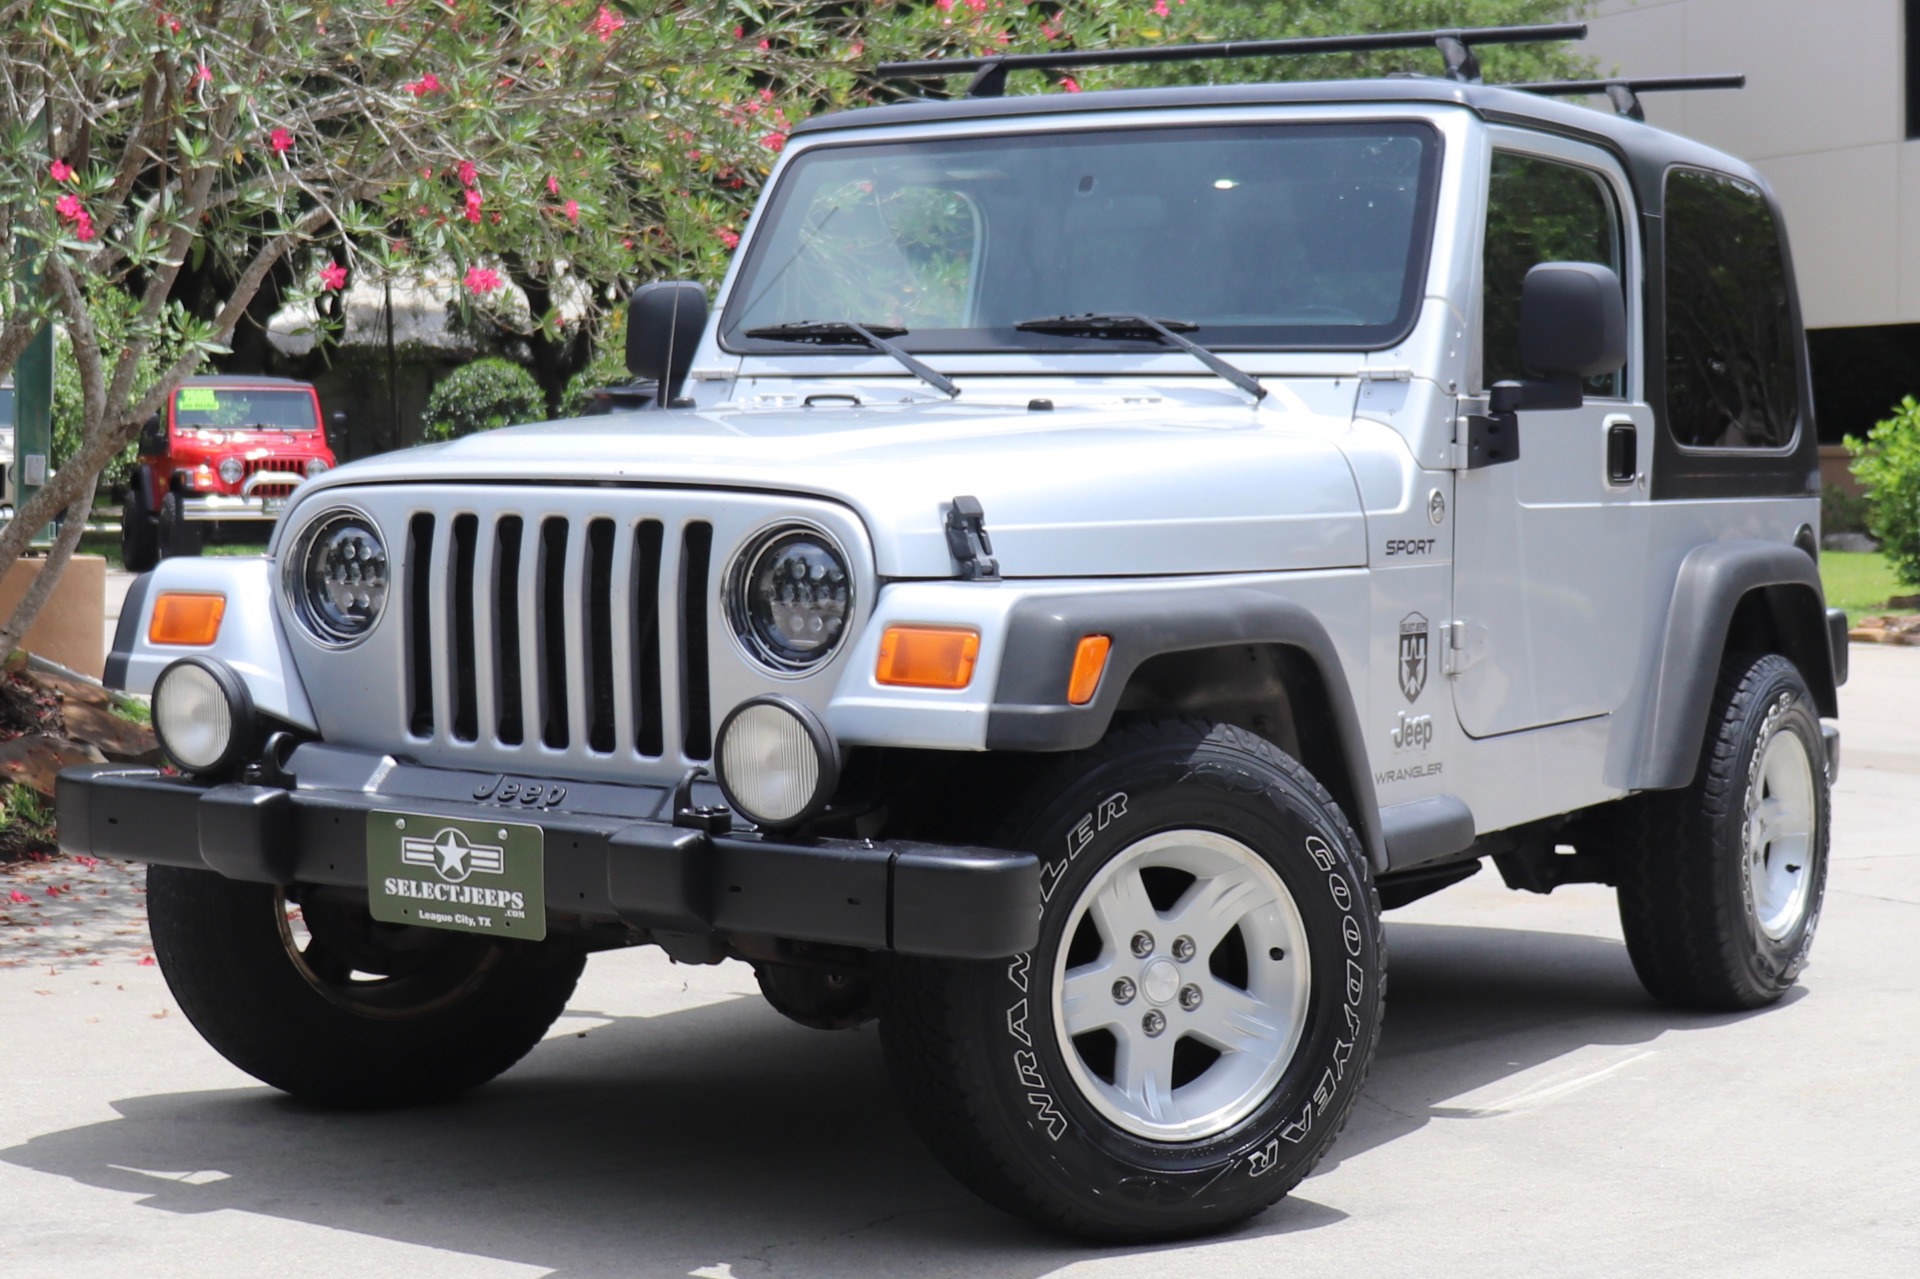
{"x": 153, "y": 437}
{"x": 664, "y": 323}
{"x": 1573, "y": 326}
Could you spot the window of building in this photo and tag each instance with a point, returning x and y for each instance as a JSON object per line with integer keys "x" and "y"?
{"x": 1732, "y": 375}
{"x": 1540, "y": 211}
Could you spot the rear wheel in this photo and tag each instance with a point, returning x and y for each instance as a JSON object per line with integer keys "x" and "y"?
{"x": 323, "y": 1002}
{"x": 1191, "y": 1030}
{"x": 1721, "y": 883}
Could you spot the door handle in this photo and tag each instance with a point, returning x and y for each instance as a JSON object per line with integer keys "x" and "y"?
{"x": 1623, "y": 451}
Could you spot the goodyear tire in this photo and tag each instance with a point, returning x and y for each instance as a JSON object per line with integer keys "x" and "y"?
{"x": 328, "y": 1005}
{"x": 1721, "y": 883}
{"x": 1190, "y": 1032}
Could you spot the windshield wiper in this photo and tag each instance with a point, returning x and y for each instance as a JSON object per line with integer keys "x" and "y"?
{"x": 1121, "y": 325}
{"x": 846, "y": 332}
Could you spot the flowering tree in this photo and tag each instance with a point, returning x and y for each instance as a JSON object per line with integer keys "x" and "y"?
{"x": 562, "y": 143}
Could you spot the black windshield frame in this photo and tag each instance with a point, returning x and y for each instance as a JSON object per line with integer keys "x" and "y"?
{"x": 997, "y": 339}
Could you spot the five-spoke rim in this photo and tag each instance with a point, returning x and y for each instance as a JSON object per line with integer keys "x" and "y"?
{"x": 1181, "y": 985}
{"x": 1779, "y": 836}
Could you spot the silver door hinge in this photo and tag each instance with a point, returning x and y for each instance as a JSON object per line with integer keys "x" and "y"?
{"x": 1462, "y": 644}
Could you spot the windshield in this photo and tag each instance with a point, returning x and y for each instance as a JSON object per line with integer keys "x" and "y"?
{"x": 1264, "y": 236}
{"x": 228, "y": 408}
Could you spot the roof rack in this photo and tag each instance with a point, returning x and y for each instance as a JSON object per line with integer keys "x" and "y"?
{"x": 1455, "y": 45}
{"x": 1624, "y": 91}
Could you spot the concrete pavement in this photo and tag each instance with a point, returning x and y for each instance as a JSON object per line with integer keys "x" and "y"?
{"x": 1531, "y": 1112}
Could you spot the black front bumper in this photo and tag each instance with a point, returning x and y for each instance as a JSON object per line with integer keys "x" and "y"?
{"x": 611, "y": 853}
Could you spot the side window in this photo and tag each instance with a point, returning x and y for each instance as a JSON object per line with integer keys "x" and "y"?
{"x": 1732, "y": 380}
{"x": 1540, "y": 211}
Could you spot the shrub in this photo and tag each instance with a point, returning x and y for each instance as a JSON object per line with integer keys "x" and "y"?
{"x": 1841, "y": 511}
{"x": 480, "y": 397}
{"x": 1887, "y": 463}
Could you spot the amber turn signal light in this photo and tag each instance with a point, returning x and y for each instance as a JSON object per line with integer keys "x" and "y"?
{"x": 186, "y": 617}
{"x": 1089, "y": 664}
{"x": 928, "y": 656}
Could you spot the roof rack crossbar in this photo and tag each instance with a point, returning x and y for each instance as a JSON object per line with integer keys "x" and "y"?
{"x": 1455, "y": 45}
{"x": 1624, "y": 91}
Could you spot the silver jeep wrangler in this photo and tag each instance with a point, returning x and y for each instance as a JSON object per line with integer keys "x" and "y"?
{"x": 1099, "y": 553}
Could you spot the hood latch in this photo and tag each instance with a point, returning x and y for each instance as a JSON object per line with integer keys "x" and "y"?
{"x": 968, "y": 542}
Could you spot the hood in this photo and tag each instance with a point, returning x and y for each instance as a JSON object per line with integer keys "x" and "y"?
{"x": 1109, "y": 489}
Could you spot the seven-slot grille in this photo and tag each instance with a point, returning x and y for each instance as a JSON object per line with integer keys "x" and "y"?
{"x": 251, "y": 467}
{"x": 557, "y": 631}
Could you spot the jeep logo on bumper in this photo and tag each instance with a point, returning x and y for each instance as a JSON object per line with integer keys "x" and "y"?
{"x": 508, "y": 791}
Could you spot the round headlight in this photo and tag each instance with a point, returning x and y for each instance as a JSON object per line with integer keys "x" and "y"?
{"x": 791, "y": 598}
{"x": 338, "y": 577}
{"x": 202, "y": 714}
{"x": 315, "y": 466}
{"x": 231, "y": 470}
{"x": 777, "y": 765}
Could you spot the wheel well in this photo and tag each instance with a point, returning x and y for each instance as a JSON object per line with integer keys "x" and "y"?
{"x": 1787, "y": 619}
{"x": 1274, "y": 690}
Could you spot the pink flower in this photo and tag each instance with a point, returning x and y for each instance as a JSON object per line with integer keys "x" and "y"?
{"x": 473, "y": 205}
{"x": 83, "y": 228}
{"x": 739, "y": 33}
{"x": 729, "y": 237}
{"x": 553, "y": 185}
{"x": 17, "y": 897}
{"x": 1070, "y": 84}
{"x": 69, "y": 207}
{"x": 61, "y": 171}
{"x": 482, "y": 280}
{"x": 1160, "y": 9}
{"x": 202, "y": 74}
{"x": 333, "y": 276}
{"x": 146, "y": 962}
{"x": 774, "y": 141}
{"x": 572, "y": 209}
{"x": 281, "y": 141}
{"x": 428, "y": 83}
{"x": 943, "y": 6}
{"x": 468, "y": 173}
{"x": 606, "y": 22}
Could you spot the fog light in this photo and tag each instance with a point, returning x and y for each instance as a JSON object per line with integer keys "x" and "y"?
{"x": 202, "y": 714}
{"x": 777, "y": 765}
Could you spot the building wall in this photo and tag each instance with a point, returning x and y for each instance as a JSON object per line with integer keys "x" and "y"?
{"x": 1823, "y": 116}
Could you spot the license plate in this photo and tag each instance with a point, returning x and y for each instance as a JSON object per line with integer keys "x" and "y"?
{"x": 272, "y": 505}
{"x": 448, "y": 872}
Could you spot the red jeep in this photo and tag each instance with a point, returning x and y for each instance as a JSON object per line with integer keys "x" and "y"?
{"x": 224, "y": 452}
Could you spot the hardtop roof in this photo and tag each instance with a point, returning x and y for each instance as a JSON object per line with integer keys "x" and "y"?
{"x": 1645, "y": 150}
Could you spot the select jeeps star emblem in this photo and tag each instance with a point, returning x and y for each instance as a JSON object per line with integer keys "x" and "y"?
{"x": 1413, "y": 655}
{"x": 1437, "y": 508}
{"x": 452, "y": 855}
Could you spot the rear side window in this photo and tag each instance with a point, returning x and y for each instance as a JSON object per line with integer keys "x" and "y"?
{"x": 1732, "y": 381}
{"x": 1540, "y": 211}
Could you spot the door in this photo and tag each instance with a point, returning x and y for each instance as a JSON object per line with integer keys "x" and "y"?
{"x": 1548, "y": 582}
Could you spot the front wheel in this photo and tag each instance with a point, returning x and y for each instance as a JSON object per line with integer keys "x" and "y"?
{"x": 1721, "y": 883}
{"x": 1191, "y": 1030}
{"x": 323, "y": 1002}
{"x": 176, "y": 534}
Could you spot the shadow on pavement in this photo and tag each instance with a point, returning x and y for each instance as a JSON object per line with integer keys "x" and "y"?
{"x": 657, "y": 1146}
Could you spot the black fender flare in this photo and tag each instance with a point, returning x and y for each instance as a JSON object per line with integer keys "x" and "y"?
{"x": 1030, "y": 710}
{"x": 1711, "y": 583}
